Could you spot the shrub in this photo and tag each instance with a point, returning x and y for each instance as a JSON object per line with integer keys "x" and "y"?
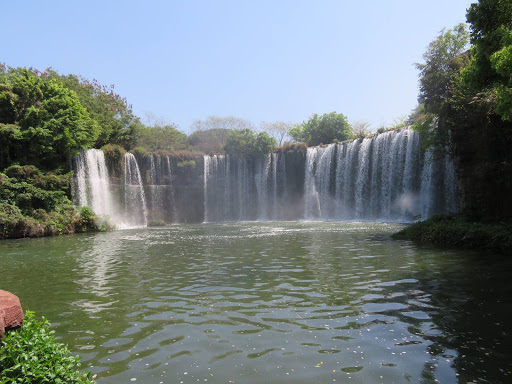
{"x": 292, "y": 147}
{"x": 459, "y": 232}
{"x": 22, "y": 172}
{"x": 31, "y": 354}
{"x": 187, "y": 164}
{"x": 156, "y": 223}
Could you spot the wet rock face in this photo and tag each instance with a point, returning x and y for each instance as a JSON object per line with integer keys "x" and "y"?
{"x": 11, "y": 313}
{"x": 483, "y": 162}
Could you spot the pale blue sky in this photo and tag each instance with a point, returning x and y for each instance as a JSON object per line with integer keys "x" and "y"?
{"x": 258, "y": 60}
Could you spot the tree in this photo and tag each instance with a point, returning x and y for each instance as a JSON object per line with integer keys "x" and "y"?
{"x": 325, "y": 129}
{"x": 487, "y": 80}
{"x": 210, "y": 140}
{"x": 111, "y": 111}
{"x": 244, "y": 142}
{"x": 41, "y": 122}
{"x": 211, "y": 135}
{"x": 279, "y": 130}
{"x": 443, "y": 60}
{"x": 361, "y": 128}
{"x": 160, "y": 137}
{"x": 216, "y": 122}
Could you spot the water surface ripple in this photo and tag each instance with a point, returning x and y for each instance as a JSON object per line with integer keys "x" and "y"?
{"x": 277, "y": 302}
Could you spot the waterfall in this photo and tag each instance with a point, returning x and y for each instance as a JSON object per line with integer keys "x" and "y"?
{"x": 206, "y": 174}
{"x": 384, "y": 177}
{"x": 363, "y": 179}
{"x": 311, "y": 199}
{"x": 92, "y": 183}
{"x": 135, "y": 200}
{"x": 159, "y": 191}
{"x": 262, "y": 177}
{"x": 323, "y": 181}
{"x": 171, "y": 187}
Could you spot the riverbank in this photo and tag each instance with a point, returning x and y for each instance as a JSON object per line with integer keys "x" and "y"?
{"x": 457, "y": 231}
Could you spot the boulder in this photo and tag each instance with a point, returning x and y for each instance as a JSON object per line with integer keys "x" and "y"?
{"x": 11, "y": 314}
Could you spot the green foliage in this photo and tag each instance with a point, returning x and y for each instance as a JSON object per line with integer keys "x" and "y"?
{"x": 41, "y": 122}
{"x": 245, "y": 142}
{"x": 105, "y": 106}
{"x": 187, "y": 164}
{"x": 455, "y": 231}
{"x": 34, "y": 204}
{"x": 501, "y": 61}
{"x": 31, "y": 354}
{"x": 484, "y": 87}
{"x": 325, "y": 129}
{"x": 443, "y": 61}
{"x": 155, "y": 138}
{"x": 86, "y": 221}
{"x": 156, "y": 223}
{"x": 32, "y": 190}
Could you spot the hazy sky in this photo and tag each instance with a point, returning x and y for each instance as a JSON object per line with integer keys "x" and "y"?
{"x": 258, "y": 60}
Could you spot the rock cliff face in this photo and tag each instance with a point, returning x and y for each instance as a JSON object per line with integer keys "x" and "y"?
{"x": 483, "y": 161}
{"x": 11, "y": 314}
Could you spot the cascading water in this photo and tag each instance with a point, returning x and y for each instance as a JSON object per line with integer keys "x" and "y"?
{"x": 134, "y": 196}
{"x": 384, "y": 178}
{"x": 92, "y": 183}
{"x": 311, "y": 199}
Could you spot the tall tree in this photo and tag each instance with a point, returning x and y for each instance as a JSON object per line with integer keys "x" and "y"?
{"x": 361, "y": 128}
{"x": 244, "y": 142}
{"x": 111, "y": 111}
{"x": 491, "y": 64}
{"x": 216, "y": 122}
{"x": 325, "y": 129}
{"x": 211, "y": 135}
{"x": 443, "y": 60}
{"x": 279, "y": 130}
{"x": 41, "y": 121}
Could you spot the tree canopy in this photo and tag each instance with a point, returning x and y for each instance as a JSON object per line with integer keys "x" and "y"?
{"x": 111, "y": 111}
{"x": 160, "y": 138}
{"x": 489, "y": 73}
{"x": 41, "y": 121}
{"x": 443, "y": 60}
{"x": 244, "y": 142}
{"x": 325, "y": 129}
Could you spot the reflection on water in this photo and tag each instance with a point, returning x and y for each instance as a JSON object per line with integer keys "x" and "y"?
{"x": 268, "y": 302}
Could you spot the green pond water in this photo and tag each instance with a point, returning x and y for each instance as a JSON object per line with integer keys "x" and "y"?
{"x": 282, "y": 302}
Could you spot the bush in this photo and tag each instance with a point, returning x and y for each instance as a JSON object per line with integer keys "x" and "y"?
{"x": 292, "y": 147}
{"x": 187, "y": 164}
{"x": 455, "y": 231}
{"x": 30, "y": 354}
{"x": 156, "y": 223}
{"x": 22, "y": 172}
